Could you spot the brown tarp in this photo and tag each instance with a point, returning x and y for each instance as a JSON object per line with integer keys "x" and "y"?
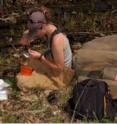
{"x": 97, "y": 54}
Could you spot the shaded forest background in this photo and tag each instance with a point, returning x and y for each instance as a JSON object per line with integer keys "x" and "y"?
{"x": 78, "y": 18}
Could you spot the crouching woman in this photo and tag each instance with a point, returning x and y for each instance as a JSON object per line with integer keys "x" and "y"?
{"x": 52, "y": 70}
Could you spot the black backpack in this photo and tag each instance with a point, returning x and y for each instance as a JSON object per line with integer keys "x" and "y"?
{"x": 91, "y": 100}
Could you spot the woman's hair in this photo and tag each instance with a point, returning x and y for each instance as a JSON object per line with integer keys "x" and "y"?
{"x": 46, "y": 11}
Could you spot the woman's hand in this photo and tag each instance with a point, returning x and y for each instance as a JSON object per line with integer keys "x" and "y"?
{"x": 34, "y": 53}
{"x": 24, "y": 40}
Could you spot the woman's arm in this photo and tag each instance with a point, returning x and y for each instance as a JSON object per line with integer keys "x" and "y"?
{"x": 58, "y": 51}
{"x": 58, "y": 56}
{"x": 51, "y": 64}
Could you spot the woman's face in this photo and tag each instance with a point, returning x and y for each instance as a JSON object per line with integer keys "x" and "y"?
{"x": 41, "y": 32}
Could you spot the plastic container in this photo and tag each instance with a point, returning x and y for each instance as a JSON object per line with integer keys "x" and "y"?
{"x": 3, "y": 90}
{"x": 3, "y": 95}
{"x": 26, "y": 70}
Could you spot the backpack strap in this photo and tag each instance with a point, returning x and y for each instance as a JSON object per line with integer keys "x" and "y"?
{"x": 52, "y": 36}
{"x": 49, "y": 51}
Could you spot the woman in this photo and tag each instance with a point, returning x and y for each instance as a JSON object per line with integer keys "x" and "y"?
{"x": 59, "y": 53}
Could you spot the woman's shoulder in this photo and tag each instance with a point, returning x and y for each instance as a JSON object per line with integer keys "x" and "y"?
{"x": 59, "y": 40}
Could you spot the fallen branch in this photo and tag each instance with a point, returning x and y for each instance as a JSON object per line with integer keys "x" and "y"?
{"x": 8, "y": 65}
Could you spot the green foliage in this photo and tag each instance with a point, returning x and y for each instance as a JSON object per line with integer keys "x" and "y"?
{"x": 7, "y": 117}
{"x": 12, "y": 81}
{"x": 105, "y": 119}
{"x": 58, "y": 119}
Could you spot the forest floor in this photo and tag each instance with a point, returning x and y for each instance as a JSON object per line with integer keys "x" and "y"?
{"x": 35, "y": 105}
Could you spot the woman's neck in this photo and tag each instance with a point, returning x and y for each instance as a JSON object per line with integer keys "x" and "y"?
{"x": 50, "y": 28}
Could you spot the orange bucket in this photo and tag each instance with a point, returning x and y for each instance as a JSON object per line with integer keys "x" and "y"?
{"x": 25, "y": 70}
